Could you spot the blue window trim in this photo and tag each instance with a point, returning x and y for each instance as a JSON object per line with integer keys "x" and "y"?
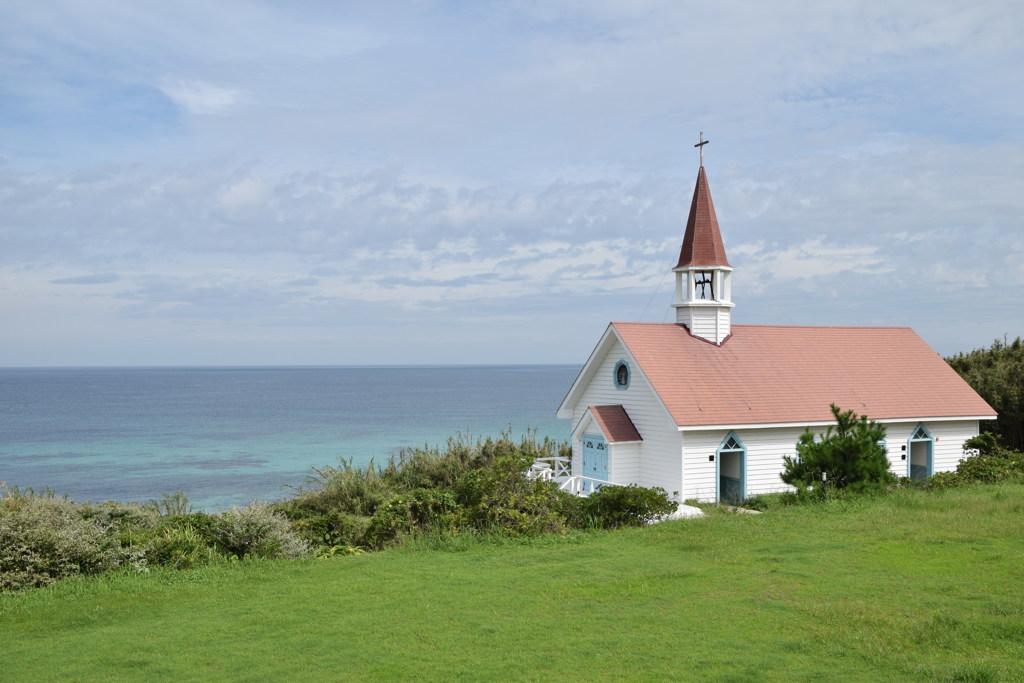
{"x": 884, "y": 444}
{"x": 615, "y": 375}
{"x": 743, "y": 465}
{"x": 931, "y": 447}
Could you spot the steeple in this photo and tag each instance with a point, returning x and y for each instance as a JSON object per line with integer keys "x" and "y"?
{"x": 703, "y": 287}
{"x": 702, "y": 242}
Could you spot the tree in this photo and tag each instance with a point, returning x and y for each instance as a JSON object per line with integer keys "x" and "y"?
{"x": 849, "y": 453}
{"x": 997, "y": 374}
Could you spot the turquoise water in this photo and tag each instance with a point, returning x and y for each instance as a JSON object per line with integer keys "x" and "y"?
{"x": 228, "y": 436}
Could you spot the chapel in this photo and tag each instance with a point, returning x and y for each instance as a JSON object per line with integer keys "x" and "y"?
{"x": 706, "y": 409}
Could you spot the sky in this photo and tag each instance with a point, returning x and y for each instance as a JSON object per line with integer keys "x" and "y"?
{"x": 339, "y": 183}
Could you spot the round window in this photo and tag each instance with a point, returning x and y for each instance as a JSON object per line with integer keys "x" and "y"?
{"x": 621, "y": 375}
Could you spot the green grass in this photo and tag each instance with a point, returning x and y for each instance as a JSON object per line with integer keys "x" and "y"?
{"x": 913, "y": 586}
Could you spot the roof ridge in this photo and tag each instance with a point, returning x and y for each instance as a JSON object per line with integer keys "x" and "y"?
{"x": 799, "y": 327}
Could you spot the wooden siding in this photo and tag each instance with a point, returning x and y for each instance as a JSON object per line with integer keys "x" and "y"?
{"x": 624, "y": 463}
{"x": 658, "y": 460}
{"x": 947, "y": 449}
{"x": 707, "y": 321}
{"x": 766, "y": 447}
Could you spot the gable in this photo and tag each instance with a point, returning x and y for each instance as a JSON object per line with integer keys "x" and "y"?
{"x": 782, "y": 374}
{"x": 614, "y": 423}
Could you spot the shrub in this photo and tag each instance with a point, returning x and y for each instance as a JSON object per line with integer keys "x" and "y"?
{"x": 171, "y": 504}
{"x": 182, "y": 541}
{"x": 998, "y": 465}
{"x": 423, "y": 468}
{"x": 329, "y": 529}
{"x": 992, "y": 465}
{"x": 393, "y": 520}
{"x": 416, "y": 490}
{"x": 939, "y": 480}
{"x": 180, "y": 547}
{"x": 256, "y": 530}
{"x": 130, "y": 523}
{"x": 345, "y": 488}
{"x": 848, "y": 454}
{"x": 617, "y": 506}
{"x": 985, "y": 443}
{"x": 432, "y": 510}
{"x": 501, "y": 500}
{"x": 45, "y": 539}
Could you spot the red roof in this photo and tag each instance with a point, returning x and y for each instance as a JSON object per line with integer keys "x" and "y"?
{"x": 779, "y": 374}
{"x": 615, "y": 423}
{"x": 702, "y": 242}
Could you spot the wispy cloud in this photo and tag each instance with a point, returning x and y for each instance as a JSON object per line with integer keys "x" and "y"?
{"x": 97, "y": 279}
{"x": 197, "y": 97}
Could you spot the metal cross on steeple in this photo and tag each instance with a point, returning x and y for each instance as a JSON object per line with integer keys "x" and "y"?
{"x": 700, "y": 145}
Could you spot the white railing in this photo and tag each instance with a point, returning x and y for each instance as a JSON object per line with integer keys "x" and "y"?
{"x": 539, "y": 470}
{"x": 550, "y": 469}
{"x": 559, "y": 470}
{"x": 583, "y": 486}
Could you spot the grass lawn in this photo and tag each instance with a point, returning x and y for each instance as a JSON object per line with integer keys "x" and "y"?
{"x": 916, "y": 585}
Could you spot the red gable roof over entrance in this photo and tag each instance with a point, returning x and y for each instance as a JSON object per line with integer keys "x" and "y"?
{"x": 615, "y": 423}
{"x": 770, "y": 374}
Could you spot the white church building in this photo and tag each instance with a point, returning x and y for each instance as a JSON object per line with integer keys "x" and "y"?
{"x": 706, "y": 409}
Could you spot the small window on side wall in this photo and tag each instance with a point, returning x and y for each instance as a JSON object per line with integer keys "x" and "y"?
{"x": 621, "y": 375}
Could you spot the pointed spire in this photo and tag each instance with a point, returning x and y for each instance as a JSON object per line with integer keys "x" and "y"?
{"x": 702, "y": 243}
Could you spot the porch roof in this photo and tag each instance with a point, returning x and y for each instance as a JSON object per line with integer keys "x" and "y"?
{"x": 615, "y": 423}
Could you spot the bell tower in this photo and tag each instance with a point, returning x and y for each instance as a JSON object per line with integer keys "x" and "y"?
{"x": 703, "y": 299}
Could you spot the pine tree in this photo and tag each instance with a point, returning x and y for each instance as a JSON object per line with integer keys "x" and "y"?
{"x": 849, "y": 453}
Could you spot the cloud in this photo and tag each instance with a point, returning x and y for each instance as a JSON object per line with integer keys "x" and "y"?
{"x": 97, "y": 279}
{"x": 302, "y": 282}
{"x": 197, "y": 97}
{"x": 246, "y": 168}
{"x": 810, "y": 260}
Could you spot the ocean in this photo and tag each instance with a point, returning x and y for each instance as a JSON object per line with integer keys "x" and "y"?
{"x": 230, "y": 436}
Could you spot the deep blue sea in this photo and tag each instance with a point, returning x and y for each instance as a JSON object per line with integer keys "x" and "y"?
{"x": 229, "y": 436}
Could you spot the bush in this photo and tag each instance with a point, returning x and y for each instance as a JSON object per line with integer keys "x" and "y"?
{"x": 848, "y": 455}
{"x": 345, "y": 488}
{"x": 992, "y": 465}
{"x": 616, "y": 506}
{"x": 180, "y": 547}
{"x": 998, "y": 465}
{"x": 130, "y": 523}
{"x": 500, "y": 499}
{"x": 329, "y": 529}
{"x": 172, "y": 504}
{"x": 256, "y": 530}
{"x": 985, "y": 443}
{"x": 182, "y": 541}
{"x": 418, "y": 490}
{"x": 44, "y": 539}
{"x": 939, "y": 480}
{"x": 431, "y": 510}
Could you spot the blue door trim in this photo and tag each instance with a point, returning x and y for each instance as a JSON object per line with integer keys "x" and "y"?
{"x": 595, "y": 458}
{"x": 731, "y": 444}
{"x": 921, "y": 434}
